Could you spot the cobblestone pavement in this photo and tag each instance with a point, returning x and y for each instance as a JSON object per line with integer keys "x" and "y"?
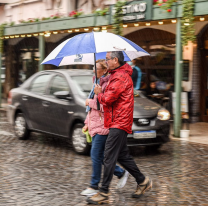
{"x": 44, "y": 171}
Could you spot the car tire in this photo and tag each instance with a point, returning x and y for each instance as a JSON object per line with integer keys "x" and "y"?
{"x": 153, "y": 148}
{"x": 79, "y": 141}
{"x": 20, "y": 127}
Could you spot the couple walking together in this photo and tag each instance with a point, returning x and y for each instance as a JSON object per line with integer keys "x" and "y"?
{"x": 109, "y": 127}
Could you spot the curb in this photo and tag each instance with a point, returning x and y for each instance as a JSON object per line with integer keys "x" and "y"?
{"x": 188, "y": 140}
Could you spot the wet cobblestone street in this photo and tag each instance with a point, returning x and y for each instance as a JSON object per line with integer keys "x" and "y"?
{"x": 45, "y": 171}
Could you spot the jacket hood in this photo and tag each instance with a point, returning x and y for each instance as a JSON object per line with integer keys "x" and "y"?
{"x": 102, "y": 79}
{"x": 126, "y": 68}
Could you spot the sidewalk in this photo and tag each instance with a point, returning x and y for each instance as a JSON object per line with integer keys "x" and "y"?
{"x": 198, "y": 133}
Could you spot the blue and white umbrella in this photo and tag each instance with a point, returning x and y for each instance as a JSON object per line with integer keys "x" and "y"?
{"x": 86, "y": 48}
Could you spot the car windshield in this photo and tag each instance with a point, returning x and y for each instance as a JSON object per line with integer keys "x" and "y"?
{"x": 83, "y": 84}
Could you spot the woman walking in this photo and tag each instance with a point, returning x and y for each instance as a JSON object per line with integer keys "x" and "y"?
{"x": 94, "y": 123}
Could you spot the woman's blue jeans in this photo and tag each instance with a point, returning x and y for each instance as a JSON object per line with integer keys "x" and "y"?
{"x": 97, "y": 156}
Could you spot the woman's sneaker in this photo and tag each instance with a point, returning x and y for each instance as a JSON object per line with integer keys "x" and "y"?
{"x": 89, "y": 192}
{"x": 143, "y": 187}
{"x": 122, "y": 180}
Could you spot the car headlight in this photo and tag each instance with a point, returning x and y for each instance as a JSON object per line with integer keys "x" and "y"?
{"x": 163, "y": 114}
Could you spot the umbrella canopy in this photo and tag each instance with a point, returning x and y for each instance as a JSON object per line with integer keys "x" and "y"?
{"x": 87, "y": 47}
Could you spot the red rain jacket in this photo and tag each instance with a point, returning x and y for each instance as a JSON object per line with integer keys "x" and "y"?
{"x": 118, "y": 99}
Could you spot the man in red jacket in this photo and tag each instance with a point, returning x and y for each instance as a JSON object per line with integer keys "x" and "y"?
{"x": 118, "y": 104}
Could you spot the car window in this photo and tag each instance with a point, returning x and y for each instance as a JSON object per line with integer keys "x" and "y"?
{"x": 58, "y": 84}
{"x": 40, "y": 83}
{"x": 83, "y": 84}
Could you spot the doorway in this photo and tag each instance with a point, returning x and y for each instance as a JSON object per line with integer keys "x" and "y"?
{"x": 204, "y": 87}
{"x": 160, "y": 65}
{"x": 203, "y": 46}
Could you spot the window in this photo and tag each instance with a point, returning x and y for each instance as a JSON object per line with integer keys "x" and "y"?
{"x": 58, "y": 84}
{"x": 39, "y": 84}
{"x": 83, "y": 84}
{"x": 185, "y": 76}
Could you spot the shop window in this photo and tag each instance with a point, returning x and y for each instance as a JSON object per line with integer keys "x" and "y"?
{"x": 28, "y": 64}
{"x": 185, "y": 70}
{"x": 162, "y": 54}
{"x": 3, "y": 70}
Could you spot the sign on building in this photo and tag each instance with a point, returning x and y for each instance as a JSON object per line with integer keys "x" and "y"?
{"x": 136, "y": 11}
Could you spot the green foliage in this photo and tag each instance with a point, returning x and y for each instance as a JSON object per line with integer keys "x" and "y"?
{"x": 30, "y": 20}
{"x": 118, "y": 17}
{"x": 76, "y": 13}
{"x": 166, "y": 5}
{"x": 1, "y": 37}
{"x": 187, "y": 22}
{"x": 12, "y": 23}
{"x": 45, "y": 18}
{"x": 101, "y": 12}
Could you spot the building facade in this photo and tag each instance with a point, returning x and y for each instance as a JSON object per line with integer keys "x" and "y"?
{"x": 39, "y": 26}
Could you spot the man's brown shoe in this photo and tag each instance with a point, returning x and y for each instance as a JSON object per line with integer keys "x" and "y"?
{"x": 143, "y": 187}
{"x": 99, "y": 198}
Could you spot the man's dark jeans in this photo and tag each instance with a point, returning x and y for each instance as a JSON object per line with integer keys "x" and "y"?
{"x": 97, "y": 156}
{"x": 116, "y": 150}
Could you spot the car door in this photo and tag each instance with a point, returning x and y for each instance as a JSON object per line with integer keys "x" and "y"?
{"x": 34, "y": 101}
{"x": 60, "y": 111}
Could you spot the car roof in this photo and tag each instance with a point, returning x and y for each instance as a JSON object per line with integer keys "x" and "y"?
{"x": 72, "y": 72}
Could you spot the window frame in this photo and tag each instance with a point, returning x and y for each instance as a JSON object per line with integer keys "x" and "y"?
{"x": 45, "y": 91}
{"x": 51, "y": 81}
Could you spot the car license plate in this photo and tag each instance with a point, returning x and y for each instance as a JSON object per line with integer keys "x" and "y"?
{"x": 144, "y": 134}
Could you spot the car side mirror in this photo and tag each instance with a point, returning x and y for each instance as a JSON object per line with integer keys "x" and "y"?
{"x": 63, "y": 95}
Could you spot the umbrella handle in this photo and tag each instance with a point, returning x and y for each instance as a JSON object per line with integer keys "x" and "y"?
{"x": 98, "y": 103}
{"x": 95, "y": 68}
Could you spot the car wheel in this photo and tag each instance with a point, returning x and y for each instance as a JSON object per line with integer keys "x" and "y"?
{"x": 153, "y": 147}
{"x": 79, "y": 141}
{"x": 20, "y": 127}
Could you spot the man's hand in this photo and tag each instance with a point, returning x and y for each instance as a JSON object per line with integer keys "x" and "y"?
{"x": 85, "y": 128}
{"x": 87, "y": 102}
{"x": 97, "y": 89}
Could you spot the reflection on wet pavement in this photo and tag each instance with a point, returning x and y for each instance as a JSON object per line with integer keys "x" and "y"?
{"x": 45, "y": 171}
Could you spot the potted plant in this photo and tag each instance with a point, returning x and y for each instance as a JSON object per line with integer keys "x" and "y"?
{"x": 75, "y": 13}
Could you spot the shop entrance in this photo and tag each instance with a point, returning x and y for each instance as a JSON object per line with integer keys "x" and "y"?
{"x": 159, "y": 67}
{"x": 161, "y": 46}
{"x": 204, "y": 111}
{"x": 203, "y": 45}
{"x": 204, "y": 86}
{"x": 28, "y": 58}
